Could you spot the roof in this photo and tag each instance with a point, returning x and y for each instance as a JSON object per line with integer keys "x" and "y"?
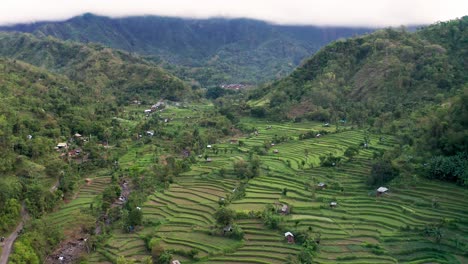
{"x": 288, "y": 234}
{"x": 77, "y": 135}
{"x": 284, "y": 208}
{"x": 61, "y": 144}
{"x": 175, "y": 262}
{"x": 382, "y": 189}
{"x": 321, "y": 184}
{"x": 333, "y": 203}
{"x": 208, "y": 146}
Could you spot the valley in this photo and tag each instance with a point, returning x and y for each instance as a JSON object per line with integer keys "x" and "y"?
{"x": 359, "y": 154}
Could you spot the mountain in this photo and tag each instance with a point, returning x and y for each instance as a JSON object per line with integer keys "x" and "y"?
{"x": 101, "y": 69}
{"x": 413, "y": 85}
{"x": 211, "y": 51}
{"x": 388, "y": 72}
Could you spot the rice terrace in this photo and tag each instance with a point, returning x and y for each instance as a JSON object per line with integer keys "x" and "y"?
{"x": 332, "y": 206}
{"x": 168, "y": 140}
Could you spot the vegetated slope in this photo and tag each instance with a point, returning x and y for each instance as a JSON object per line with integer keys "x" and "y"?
{"x": 215, "y": 50}
{"x": 102, "y": 70}
{"x": 35, "y": 112}
{"x": 409, "y": 84}
{"x": 388, "y": 72}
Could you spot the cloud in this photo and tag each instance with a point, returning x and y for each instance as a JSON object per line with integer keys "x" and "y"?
{"x": 323, "y": 12}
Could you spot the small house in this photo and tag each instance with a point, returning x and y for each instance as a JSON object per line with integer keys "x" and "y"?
{"x": 150, "y": 133}
{"x": 227, "y": 228}
{"x": 77, "y": 135}
{"x": 318, "y": 135}
{"x": 276, "y": 151}
{"x": 285, "y": 209}
{"x": 208, "y": 146}
{"x": 175, "y": 262}
{"x": 326, "y": 124}
{"x": 62, "y": 145}
{"x": 321, "y": 185}
{"x": 333, "y": 204}
{"x": 147, "y": 111}
{"x": 272, "y": 144}
{"x": 290, "y": 237}
{"x": 209, "y": 160}
{"x": 382, "y": 190}
{"x": 29, "y": 136}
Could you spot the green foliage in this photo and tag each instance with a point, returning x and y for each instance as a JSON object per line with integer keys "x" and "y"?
{"x": 271, "y": 218}
{"x": 451, "y": 168}
{"x": 329, "y": 160}
{"x": 10, "y": 214}
{"x": 224, "y": 216}
{"x": 381, "y": 173}
{"x": 23, "y": 254}
{"x": 123, "y": 260}
{"x": 39, "y": 240}
{"x": 95, "y": 66}
{"x": 351, "y": 152}
{"x": 207, "y": 52}
{"x": 384, "y": 74}
{"x": 250, "y": 169}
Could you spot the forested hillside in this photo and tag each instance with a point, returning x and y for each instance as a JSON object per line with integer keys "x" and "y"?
{"x": 74, "y": 89}
{"x": 102, "y": 70}
{"x": 211, "y": 51}
{"x": 410, "y": 84}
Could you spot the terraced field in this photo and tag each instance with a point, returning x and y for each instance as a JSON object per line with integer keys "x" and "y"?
{"x": 69, "y": 213}
{"x": 362, "y": 228}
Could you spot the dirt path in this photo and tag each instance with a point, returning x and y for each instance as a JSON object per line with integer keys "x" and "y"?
{"x": 8, "y": 243}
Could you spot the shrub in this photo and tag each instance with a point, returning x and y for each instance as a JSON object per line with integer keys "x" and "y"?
{"x": 382, "y": 172}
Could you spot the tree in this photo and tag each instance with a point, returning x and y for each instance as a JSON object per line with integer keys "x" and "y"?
{"x": 351, "y": 152}
{"x": 241, "y": 169}
{"x": 382, "y": 172}
{"x": 224, "y": 216}
{"x": 23, "y": 254}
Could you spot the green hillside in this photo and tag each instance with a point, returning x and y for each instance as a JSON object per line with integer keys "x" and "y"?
{"x": 413, "y": 85}
{"x": 210, "y": 51}
{"x": 285, "y": 173}
{"x": 101, "y": 69}
{"x": 388, "y": 72}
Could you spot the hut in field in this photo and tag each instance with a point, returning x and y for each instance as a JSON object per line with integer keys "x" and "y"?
{"x": 321, "y": 185}
{"x": 62, "y": 145}
{"x": 285, "y": 209}
{"x": 290, "y": 237}
{"x": 227, "y": 228}
{"x": 276, "y": 151}
{"x": 175, "y": 261}
{"x": 333, "y": 204}
{"x": 381, "y": 190}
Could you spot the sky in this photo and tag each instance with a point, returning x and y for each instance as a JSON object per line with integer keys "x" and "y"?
{"x": 374, "y": 13}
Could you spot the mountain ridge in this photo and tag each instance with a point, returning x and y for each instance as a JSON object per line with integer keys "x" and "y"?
{"x": 235, "y": 45}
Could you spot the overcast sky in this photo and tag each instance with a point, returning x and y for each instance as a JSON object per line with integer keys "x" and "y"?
{"x": 313, "y": 12}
